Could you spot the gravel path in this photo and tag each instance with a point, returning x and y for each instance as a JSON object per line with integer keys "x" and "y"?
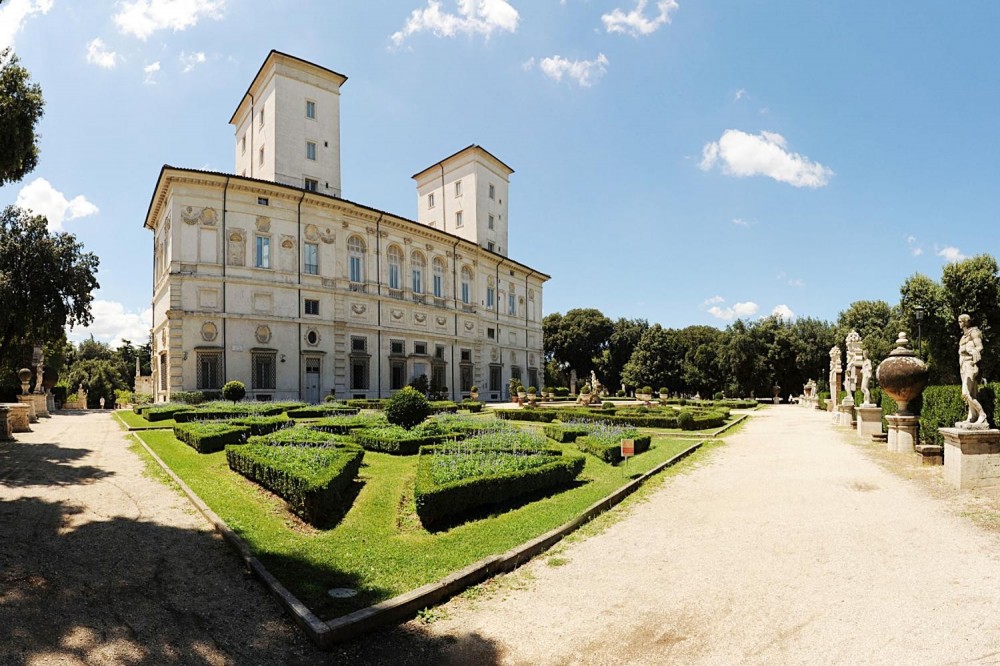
{"x": 788, "y": 546}
{"x": 100, "y": 564}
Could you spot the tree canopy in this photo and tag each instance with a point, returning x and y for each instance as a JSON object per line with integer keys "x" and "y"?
{"x": 21, "y": 107}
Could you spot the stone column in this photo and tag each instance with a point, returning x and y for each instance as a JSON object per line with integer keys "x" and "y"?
{"x": 6, "y": 432}
{"x": 902, "y": 433}
{"x": 971, "y": 457}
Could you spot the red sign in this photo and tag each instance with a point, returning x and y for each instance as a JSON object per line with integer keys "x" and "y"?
{"x": 628, "y": 448}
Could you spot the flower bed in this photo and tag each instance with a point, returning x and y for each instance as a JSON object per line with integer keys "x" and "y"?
{"x": 321, "y": 411}
{"x": 343, "y": 425}
{"x": 604, "y": 441}
{"x": 313, "y": 480}
{"x": 455, "y": 478}
{"x": 262, "y": 425}
{"x": 567, "y": 432}
{"x": 536, "y": 415}
{"x": 296, "y": 436}
{"x": 221, "y": 410}
{"x": 397, "y": 440}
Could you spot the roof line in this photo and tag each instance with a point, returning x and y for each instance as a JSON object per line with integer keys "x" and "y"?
{"x": 459, "y": 152}
{"x": 274, "y": 52}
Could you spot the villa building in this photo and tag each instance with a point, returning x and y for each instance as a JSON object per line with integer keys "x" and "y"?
{"x": 268, "y": 276}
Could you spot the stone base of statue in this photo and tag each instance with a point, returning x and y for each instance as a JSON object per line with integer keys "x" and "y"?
{"x": 971, "y": 456}
{"x": 902, "y": 433}
{"x": 845, "y": 416}
{"x": 26, "y": 400}
{"x": 6, "y": 431}
{"x": 50, "y": 402}
{"x": 39, "y": 402}
{"x": 869, "y": 420}
{"x": 930, "y": 454}
{"x": 19, "y": 416}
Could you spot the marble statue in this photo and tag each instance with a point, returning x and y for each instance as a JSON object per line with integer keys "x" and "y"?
{"x": 866, "y": 377}
{"x": 970, "y": 351}
{"x": 39, "y": 370}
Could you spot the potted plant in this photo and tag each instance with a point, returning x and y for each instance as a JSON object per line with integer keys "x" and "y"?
{"x": 664, "y": 393}
{"x": 474, "y": 393}
{"x": 585, "y": 394}
{"x": 645, "y": 393}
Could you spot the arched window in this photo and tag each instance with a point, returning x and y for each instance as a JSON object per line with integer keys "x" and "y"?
{"x": 466, "y": 285}
{"x": 418, "y": 264}
{"x": 356, "y": 259}
{"x": 438, "y": 277}
{"x": 395, "y": 256}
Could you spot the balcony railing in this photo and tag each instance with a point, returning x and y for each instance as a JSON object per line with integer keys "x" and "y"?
{"x": 396, "y": 293}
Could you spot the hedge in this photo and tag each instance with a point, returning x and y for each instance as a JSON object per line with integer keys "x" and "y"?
{"x": 942, "y": 407}
{"x": 535, "y": 415}
{"x": 262, "y": 425}
{"x": 565, "y": 432}
{"x": 210, "y": 437}
{"x": 239, "y": 410}
{"x": 296, "y": 436}
{"x": 471, "y": 405}
{"x": 388, "y": 441}
{"x": 366, "y": 403}
{"x": 435, "y": 502}
{"x": 341, "y": 425}
{"x": 443, "y": 407}
{"x": 314, "y": 481}
{"x": 611, "y": 452}
{"x": 321, "y": 411}
{"x": 163, "y": 412}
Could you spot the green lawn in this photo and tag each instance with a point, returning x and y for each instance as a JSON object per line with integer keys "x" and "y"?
{"x": 379, "y": 547}
{"x": 133, "y": 420}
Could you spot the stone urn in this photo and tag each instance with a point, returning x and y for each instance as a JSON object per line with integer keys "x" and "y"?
{"x": 902, "y": 375}
{"x": 24, "y": 375}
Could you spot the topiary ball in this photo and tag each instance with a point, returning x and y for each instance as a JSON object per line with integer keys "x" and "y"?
{"x": 685, "y": 420}
{"x": 234, "y": 391}
{"x": 407, "y": 408}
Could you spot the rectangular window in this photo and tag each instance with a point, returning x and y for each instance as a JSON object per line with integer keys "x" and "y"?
{"x": 355, "y": 269}
{"x": 490, "y": 222}
{"x": 243, "y": 144}
{"x": 209, "y": 370}
{"x": 438, "y": 286}
{"x": 511, "y": 304}
{"x": 359, "y": 344}
{"x": 312, "y": 258}
{"x": 261, "y": 124}
{"x": 311, "y": 185}
{"x": 490, "y": 246}
{"x": 310, "y": 150}
{"x": 310, "y": 109}
{"x": 263, "y": 201}
{"x": 495, "y": 372}
{"x": 397, "y": 376}
{"x": 312, "y": 306}
{"x": 466, "y": 296}
{"x": 359, "y": 373}
{"x": 397, "y": 347}
{"x": 466, "y": 356}
{"x": 489, "y": 297}
{"x": 465, "y": 377}
{"x": 458, "y": 188}
{"x": 262, "y": 256}
{"x": 430, "y": 200}
{"x": 493, "y": 191}
{"x": 491, "y": 333}
{"x": 263, "y": 365}
{"x": 260, "y": 155}
{"x": 439, "y": 351}
{"x": 420, "y": 348}
{"x": 458, "y": 219}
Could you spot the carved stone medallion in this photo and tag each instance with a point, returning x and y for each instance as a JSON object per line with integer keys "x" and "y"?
{"x": 263, "y": 334}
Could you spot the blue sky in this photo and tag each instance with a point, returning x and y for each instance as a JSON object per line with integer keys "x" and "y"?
{"x": 684, "y": 162}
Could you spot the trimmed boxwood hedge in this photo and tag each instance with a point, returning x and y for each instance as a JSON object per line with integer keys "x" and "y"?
{"x": 210, "y": 437}
{"x": 380, "y": 439}
{"x": 536, "y": 415}
{"x": 262, "y": 425}
{"x": 471, "y": 405}
{"x": 237, "y": 411}
{"x": 322, "y": 411}
{"x": 435, "y": 502}
{"x": 341, "y": 425}
{"x": 296, "y": 436}
{"x": 443, "y": 407}
{"x": 366, "y": 403}
{"x": 611, "y": 452}
{"x": 162, "y": 412}
{"x": 314, "y": 481}
{"x": 565, "y": 432}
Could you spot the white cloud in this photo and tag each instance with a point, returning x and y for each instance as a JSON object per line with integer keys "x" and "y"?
{"x": 740, "y": 94}
{"x": 150, "y": 70}
{"x": 584, "y": 72}
{"x": 951, "y": 254}
{"x": 740, "y": 222}
{"x": 191, "y": 60}
{"x": 144, "y": 17}
{"x": 915, "y": 249}
{"x": 742, "y": 309}
{"x": 714, "y": 300}
{"x": 113, "y": 323}
{"x": 764, "y": 154}
{"x": 797, "y": 282}
{"x": 13, "y": 13}
{"x": 99, "y": 54}
{"x": 635, "y": 22}
{"x": 784, "y": 312}
{"x": 482, "y": 17}
{"x": 41, "y": 198}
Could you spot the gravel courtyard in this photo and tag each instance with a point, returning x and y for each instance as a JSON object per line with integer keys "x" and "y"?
{"x": 790, "y": 544}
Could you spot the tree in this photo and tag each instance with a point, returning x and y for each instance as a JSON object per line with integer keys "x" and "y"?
{"x": 46, "y": 283}
{"x": 938, "y": 333}
{"x": 656, "y": 361}
{"x": 100, "y": 378}
{"x": 701, "y": 369}
{"x": 876, "y": 322}
{"x": 21, "y": 107}
{"x": 234, "y": 390}
{"x": 625, "y": 335}
{"x": 577, "y": 338}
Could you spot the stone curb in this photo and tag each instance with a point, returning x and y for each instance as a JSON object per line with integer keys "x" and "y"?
{"x": 326, "y": 634}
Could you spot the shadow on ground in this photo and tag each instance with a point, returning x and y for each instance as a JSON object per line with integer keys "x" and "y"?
{"x": 25, "y": 465}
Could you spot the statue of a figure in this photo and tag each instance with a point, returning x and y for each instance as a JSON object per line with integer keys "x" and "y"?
{"x": 970, "y": 350}
{"x": 39, "y": 371}
{"x": 866, "y": 377}
{"x": 848, "y": 384}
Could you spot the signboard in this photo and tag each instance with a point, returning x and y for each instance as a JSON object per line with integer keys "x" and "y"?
{"x": 628, "y": 448}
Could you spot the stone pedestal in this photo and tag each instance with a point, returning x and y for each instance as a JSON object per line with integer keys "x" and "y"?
{"x": 902, "y": 433}
{"x": 971, "y": 457}
{"x": 26, "y": 400}
{"x": 41, "y": 404}
{"x": 50, "y": 402}
{"x": 6, "y": 432}
{"x": 19, "y": 416}
{"x": 845, "y": 415}
{"x": 869, "y": 418}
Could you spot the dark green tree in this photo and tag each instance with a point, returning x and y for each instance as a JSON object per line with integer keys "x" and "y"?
{"x": 625, "y": 335}
{"x": 21, "y": 107}
{"x": 938, "y": 333}
{"x": 971, "y": 286}
{"x": 657, "y": 360}
{"x": 100, "y": 378}
{"x": 577, "y": 338}
{"x": 701, "y": 368}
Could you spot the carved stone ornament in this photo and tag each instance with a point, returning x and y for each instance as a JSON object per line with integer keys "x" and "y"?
{"x": 494, "y": 355}
{"x": 311, "y": 232}
{"x": 312, "y": 337}
{"x": 237, "y": 235}
{"x": 520, "y": 300}
{"x": 263, "y": 223}
{"x": 396, "y": 314}
{"x": 209, "y": 331}
{"x": 531, "y": 359}
{"x": 429, "y": 247}
{"x": 166, "y": 223}
{"x": 490, "y": 281}
{"x": 287, "y": 242}
{"x": 328, "y": 236}
{"x": 263, "y": 334}
{"x": 408, "y": 241}
{"x": 163, "y": 338}
{"x": 358, "y": 308}
{"x": 469, "y": 326}
{"x": 420, "y": 317}
{"x": 531, "y": 294}
{"x": 345, "y": 225}
{"x": 441, "y": 321}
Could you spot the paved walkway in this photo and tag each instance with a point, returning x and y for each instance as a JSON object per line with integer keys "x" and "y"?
{"x": 100, "y": 564}
{"x": 789, "y": 546}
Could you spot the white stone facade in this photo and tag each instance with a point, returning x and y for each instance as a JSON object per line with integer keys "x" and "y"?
{"x": 299, "y": 293}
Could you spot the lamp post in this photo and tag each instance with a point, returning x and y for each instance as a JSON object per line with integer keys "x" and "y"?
{"x": 918, "y": 312}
